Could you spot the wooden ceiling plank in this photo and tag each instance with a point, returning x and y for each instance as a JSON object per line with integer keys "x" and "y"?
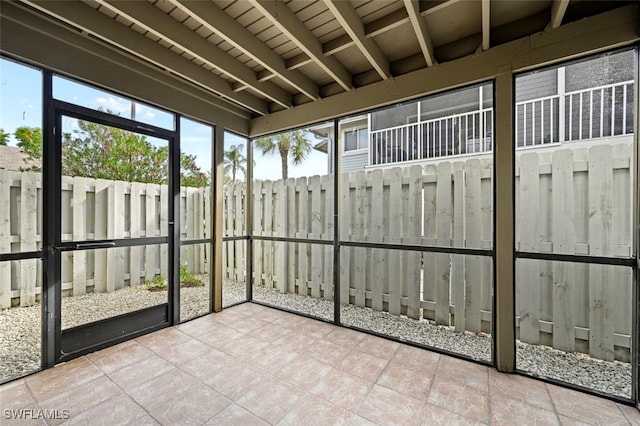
{"x": 154, "y": 20}
{"x": 486, "y": 24}
{"x": 558, "y": 9}
{"x": 420, "y": 28}
{"x": 286, "y": 21}
{"x": 351, "y": 22}
{"x": 217, "y": 20}
{"x": 101, "y": 26}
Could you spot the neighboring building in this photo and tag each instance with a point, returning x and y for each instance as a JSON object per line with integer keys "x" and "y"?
{"x": 14, "y": 158}
{"x": 583, "y": 100}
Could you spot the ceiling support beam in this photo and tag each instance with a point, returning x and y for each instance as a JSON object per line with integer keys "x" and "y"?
{"x": 215, "y": 19}
{"x": 151, "y": 18}
{"x": 288, "y": 23}
{"x": 420, "y": 28}
{"x": 608, "y": 30}
{"x": 352, "y": 23}
{"x": 486, "y": 24}
{"x": 558, "y": 9}
{"x": 114, "y": 33}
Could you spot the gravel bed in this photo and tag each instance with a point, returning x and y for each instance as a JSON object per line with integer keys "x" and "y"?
{"x": 20, "y": 332}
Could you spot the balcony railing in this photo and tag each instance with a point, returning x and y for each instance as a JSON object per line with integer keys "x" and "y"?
{"x": 439, "y": 137}
{"x": 596, "y": 112}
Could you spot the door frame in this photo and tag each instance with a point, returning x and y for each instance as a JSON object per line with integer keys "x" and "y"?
{"x": 62, "y": 345}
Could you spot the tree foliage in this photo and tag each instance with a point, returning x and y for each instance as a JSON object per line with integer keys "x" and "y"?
{"x": 104, "y": 152}
{"x": 30, "y": 140}
{"x": 286, "y": 144}
{"x": 4, "y": 137}
{"x": 234, "y": 162}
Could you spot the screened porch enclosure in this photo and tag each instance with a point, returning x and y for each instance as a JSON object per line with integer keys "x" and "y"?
{"x": 456, "y": 177}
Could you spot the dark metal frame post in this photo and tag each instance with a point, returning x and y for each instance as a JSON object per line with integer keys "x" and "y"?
{"x": 336, "y": 224}
{"x": 217, "y": 206}
{"x": 174, "y": 226}
{"x": 248, "y": 208}
{"x": 50, "y": 295}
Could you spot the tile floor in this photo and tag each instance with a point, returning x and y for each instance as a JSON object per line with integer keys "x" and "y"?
{"x": 252, "y": 365}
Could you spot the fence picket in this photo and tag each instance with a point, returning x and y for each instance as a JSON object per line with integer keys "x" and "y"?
{"x": 563, "y": 242}
{"x": 379, "y": 264}
{"x": 413, "y": 231}
{"x": 345, "y": 232}
{"x": 279, "y": 229}
{"x": 443, "y": 226}
{"x": 359, "y": 232}
{"x": 28, "y": 232}
{"x": 258, "y": 204}
{"x": 601, "y": 286}
{"x": 135, "y": 253}
{"x": 528, "y": 271}
{"x": 5, "y": 238}
{"x": 78, "y": 205}
{"x": 458, "y": 261}
{"x": 429, "y": 234}
{"x": 472, "y": 234}
{"x": 302, "y": 231}
{"x": 316, "y": 232}
{"x": 118, "y": 233}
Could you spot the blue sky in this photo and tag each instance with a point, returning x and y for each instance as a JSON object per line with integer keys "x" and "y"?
{"x": 21, "y": 105}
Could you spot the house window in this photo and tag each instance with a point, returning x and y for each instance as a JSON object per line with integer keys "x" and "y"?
{"x": 355, "y": 139}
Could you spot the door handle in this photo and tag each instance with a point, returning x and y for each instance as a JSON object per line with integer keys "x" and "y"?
{"x": 86, "y": 246}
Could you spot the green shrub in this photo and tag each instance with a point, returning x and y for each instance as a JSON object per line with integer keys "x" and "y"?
{"x": 187, "y": 279}
{"x": 156, "y": 284}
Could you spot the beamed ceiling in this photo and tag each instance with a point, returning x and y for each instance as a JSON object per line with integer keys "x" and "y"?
{"x": 267, "y": 56}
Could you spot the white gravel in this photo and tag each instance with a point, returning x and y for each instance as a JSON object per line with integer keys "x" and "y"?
{"x": 20, "y": 332}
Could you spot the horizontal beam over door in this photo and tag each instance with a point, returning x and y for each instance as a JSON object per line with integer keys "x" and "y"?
{"x": 608, "y": 30}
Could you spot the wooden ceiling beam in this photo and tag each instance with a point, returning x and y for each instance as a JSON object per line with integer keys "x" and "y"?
{"x": 215, "y": 19}
{"x": 420, "y": 28}
{"x": 288, "y": 23}
{"x": 347, "y": 16}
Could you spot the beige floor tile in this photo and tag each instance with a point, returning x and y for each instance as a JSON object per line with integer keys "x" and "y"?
{"x": 243, "y": 348}
{"x": 234, "y": 380}
{"x": 220, "y": 335}
{"x": 15, "y": 395}
{"x": 162, "y": 339}
{"x": 184, "y": 352}
{"x": 271, "y": 332}
{"x": 377, "y": 346}
{"x": 631, "y": 413}
{"x": 344, "y": 337}
{"x": 81, "y": 398}
{"x": 509, "y": 411}
{"x": 272, "y": 358}
{"x": 417, "y": 358}
{"x": 120, "y": 410}
{"x": 469, "y": 373}
{"x": 434, "y": 415}
{"x": 455, "y": 396}
{"x": 316, "y": 328}
{"x": 409, "y": 381}
{"x": 326, "y": 352}
{"x": 234, "y": 415}
{"x": 177, "y": 398}
{"x": 362, "y": 364}
{"x": 248, "y": 324}
{"x": 532, "y": 392}
{"x": 28, "y": 415}
{"x": 304, "y": 372}
{"x": 314, "y": 411}
{"x": 199, "y": 326}
{"x": 119, "y": 356}
{"x": 343, "y": 389}
{"x": 61, "y": 378}
{"x": 388, "y": 407}
{"x": 584, "y": 407}
{"x": 270, "y": 400}
{"x": 207, "y": 364}
{"x": 140, "y": 372}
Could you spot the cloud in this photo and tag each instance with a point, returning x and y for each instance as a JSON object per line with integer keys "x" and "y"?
{"x": 117, "y": 105}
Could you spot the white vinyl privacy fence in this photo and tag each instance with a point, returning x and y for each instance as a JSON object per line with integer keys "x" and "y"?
{"x": 569, "y": 201}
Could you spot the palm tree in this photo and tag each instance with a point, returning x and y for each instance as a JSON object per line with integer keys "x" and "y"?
{"x": 234, "y": 161}
{"x": 293, "y": 143}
